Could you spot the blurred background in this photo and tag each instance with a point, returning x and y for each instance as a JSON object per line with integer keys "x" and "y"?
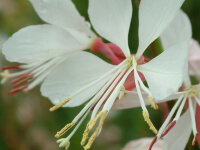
{"x": 25, "y": 120}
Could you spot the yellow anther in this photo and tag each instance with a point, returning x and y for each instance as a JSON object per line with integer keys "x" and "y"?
{"x": 147, "y": 119}
{"x": 192, "y": 91}
{"x": 5, "y": 76}
{"x": 101, "y": 117}
{"x": 65, "y": 129}
{"x": 89, "y": 127}
{"x": 60, "y": 104}
{"x": 153, "y": 104}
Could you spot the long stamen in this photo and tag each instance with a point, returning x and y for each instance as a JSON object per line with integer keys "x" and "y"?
{"x": 192, "y": 114}
{"x": 173, "y": 123}
{"x": 145, "y": 111}
{"x": 178, "y": 114}
{"x": 163, "y": 127}
{"x": 116, "y": 79}
{"x": 115, "y": 93}
{"x": 150, "y": 99}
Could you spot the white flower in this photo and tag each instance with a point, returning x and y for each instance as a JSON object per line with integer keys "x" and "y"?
{"x": 176, "y": 132}
{"x": 84, "y": 76}
{"x": 181, "y": 132}
{"x": 42, "y": 47}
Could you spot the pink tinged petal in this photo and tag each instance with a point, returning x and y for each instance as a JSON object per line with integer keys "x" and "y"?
{"x": 178, "y": 136}
{"x": 130, "y": 100}
{"x": 77, "y": 71}
{"x": 111, "y": 19}
{"x": 38, "y": 43}
{"x": 143, "y": 144}
{"x": 179, "y": 30}
{"x": 194, "y": 58}
{"x": 154, "y": 17}
{"x": 61, "y": 13}
{"x": 164, "y": 74}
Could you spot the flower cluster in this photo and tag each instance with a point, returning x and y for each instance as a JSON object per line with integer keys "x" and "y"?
{"x": 54, "y": 55}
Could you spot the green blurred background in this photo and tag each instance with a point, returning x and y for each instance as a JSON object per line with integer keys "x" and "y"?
{"x": 25, "y": 120}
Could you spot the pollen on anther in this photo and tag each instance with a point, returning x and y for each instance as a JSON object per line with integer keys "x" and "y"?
{"x": 60, "y": 104}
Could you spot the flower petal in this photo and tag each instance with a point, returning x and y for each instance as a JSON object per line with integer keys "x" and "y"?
{"x": 178, "y": 136}
{"x": 73, "y": 74}
{"x": 179, "y": 30}
{"x": 111, "y": 19}
{"x": 39, "y": 42}
{"x": 131, "y": 100}
{"x": 154, "y": 17}
{"x": 143, "y": 144}
{"x": 164, "y": 74}
{"x": 194, "y": 58}
{"x": 61, "y": 13}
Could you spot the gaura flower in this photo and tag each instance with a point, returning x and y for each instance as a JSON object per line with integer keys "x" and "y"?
{"x": 176, "y": 133}
{"x": 84, "y": 78}
{"x": 40, "y": 48}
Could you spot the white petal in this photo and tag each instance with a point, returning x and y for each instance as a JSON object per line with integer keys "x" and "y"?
{"x": 39, "y": 42}
{"x": 179, "y": 30}
{"x": 73, "y": 74}
{"x": 143, "y": 144}
{"x": 164, "y": 74}
{"x": 111, "y": 19}
{"x": 131, "y": 100}
{"x": 194, "y": 58}
{"x": 154, "y": 17}
{"x": 178, "y": 136}
{"x": 61, "y": 13}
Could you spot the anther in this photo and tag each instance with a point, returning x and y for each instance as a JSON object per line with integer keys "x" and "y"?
{"x": 153, "y": 104}
{"x": 60, "y": 104}
{"x": 5, "y": 76}
{"x": 147, "y": 119}
{"x": 89, "y": 127}
{"x": 65, "y": 129}
{"x": 94, "y": 135}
